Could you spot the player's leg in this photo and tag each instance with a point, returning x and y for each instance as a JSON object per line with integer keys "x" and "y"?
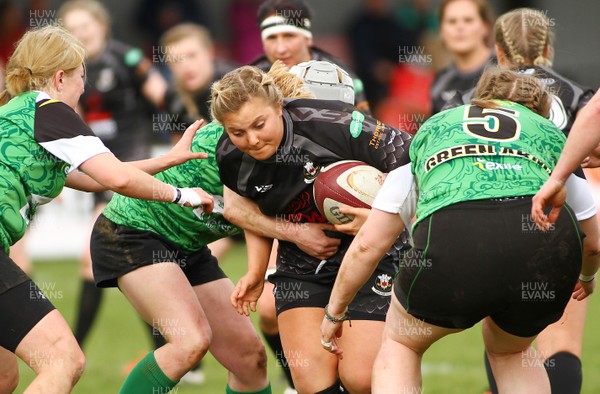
{"x": 90, "y": 296}
{"x": 267, "y": 320}
{"x": 560, "y": 343}
{"x": 560, "y": 347}
{"x": 405, "y": 339}
{"x": 162, "y": 295}
{"x": 313, "y": 369}
{"x": 9, "y": 371}
{"x": 517, "y": 366}
{"x": 235, "y": 343}
{"x": 50, "y": 349}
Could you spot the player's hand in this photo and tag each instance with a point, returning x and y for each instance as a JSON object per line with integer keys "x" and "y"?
{"x": 584, "y": 289}
{"x": 552, "y": 194}
{"x": 246, "y": 293}
{"x": 360, "y": 217}
{"x": 330, "y": 332}
{"x": 196, "y": 197}
{"x": 593, "y": 160}
{"x": 181, "y": 151}
{"x": 312, "y": 240}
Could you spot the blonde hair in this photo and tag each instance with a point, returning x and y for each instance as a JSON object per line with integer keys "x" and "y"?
{"x": 524, "y": 35}
{"x": 39, "y": 54}
{"x": 176, "y": 34}
{"x": 242, "y": 84}
{"x": 94, "y": 8}
{"x": 504, "y": 84}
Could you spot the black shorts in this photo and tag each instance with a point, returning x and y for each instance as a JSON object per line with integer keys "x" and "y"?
{"x": 22, "y": 304}
{"x": 117, "y": 250}
{"x": 313, "y": 290}
{"x": 486, "y": 258}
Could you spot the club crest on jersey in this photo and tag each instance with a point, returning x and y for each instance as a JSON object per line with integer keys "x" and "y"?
{"x": 106, "y": 80}
{"x": 383, "y": 285}
{"x": 310, "y": 171}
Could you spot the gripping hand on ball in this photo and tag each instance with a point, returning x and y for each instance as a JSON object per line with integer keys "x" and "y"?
{"x": 360, "y": 217}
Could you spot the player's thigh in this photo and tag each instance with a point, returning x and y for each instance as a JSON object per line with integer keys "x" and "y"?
{"x": 230, "y": 329}
{"x": 312, "y": 367}
{"x": 565, "y": 335}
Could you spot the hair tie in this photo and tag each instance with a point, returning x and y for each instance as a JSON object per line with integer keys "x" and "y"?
{"x": 540, "y": 61}
{"x": 29, "y": 71}
{"x": 518, "y": 60}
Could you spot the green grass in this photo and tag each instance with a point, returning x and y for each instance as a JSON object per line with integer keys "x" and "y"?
{"x": 453, "y": 365}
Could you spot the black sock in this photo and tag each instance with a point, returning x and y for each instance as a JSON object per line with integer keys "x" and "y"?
{"x": 490, "y": 375}
{"x": 564, "y": 372}
{"x": 335, "y": 389}
{"x": 89, "y": 303}
{"x": 158, "y": 340}
{"x": 274, "y": 342}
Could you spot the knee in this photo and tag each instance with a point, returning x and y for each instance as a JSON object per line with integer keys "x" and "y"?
{"x": 193, "y": 345}
{"x": 255, "y": 355}
{"x": 75, "y": 364}
{"x": 9, "y": 379}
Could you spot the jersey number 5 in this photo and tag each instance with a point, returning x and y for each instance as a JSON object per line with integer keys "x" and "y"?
{"x": 494, "y": 124}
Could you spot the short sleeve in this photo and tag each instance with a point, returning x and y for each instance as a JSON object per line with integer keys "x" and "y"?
{"x": 64, "y": 134}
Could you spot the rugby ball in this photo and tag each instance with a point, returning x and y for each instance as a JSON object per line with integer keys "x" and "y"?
{"x": 349, "y": 182}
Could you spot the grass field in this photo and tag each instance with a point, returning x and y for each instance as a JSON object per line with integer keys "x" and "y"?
{"x": 454, "y": 365}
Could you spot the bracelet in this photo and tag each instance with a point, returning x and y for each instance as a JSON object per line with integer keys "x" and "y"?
{"x": 177, "y": 195}
{"x": 586, "y": 278}
{"x": 344, "y": 317}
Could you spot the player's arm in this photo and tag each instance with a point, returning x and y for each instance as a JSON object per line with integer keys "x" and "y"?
{"x": 180, "y": 153}
{"x": 375, "y": 237}
{"x": 309, "y": 237}
{"x": 584, "y": 136}
{"x": 250, "y": 286}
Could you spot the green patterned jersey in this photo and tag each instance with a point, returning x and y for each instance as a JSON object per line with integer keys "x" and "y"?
{"x": 190, "y": 229}
{"x": 472, "y": 153}
{"x": 41, "y": 140}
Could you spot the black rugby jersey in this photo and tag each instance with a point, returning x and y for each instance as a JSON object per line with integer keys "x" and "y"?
{"x": 360, "y": 98}
{"x": 568, "y": 96}
{"x": 450, "y": 80}
{"x": 316, "y": 133}
{"x": 113, "y": 104}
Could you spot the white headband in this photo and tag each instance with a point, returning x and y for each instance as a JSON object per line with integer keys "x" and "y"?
{"x": 276, "y": 24}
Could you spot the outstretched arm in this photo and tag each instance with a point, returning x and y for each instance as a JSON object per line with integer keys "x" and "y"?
{"x": 179, "y": 154}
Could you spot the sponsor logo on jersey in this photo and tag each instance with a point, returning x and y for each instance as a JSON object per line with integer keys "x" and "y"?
{"x": 356, "y": 125}
{"x": 383, "y": 285}
{"x": 263, "y": 188}
{"x": 377, "y": 134}
{"x": 310, "y": 172}
{"x": 458, "y": 151}
{"x": 486, "y": 165}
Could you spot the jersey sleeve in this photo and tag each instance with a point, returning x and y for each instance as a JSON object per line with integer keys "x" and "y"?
{"x": 64, "y": 134}
{"x": 398, "y": 194}
{"x": 580, "y": 198}
{"x": 228, "y": 159}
